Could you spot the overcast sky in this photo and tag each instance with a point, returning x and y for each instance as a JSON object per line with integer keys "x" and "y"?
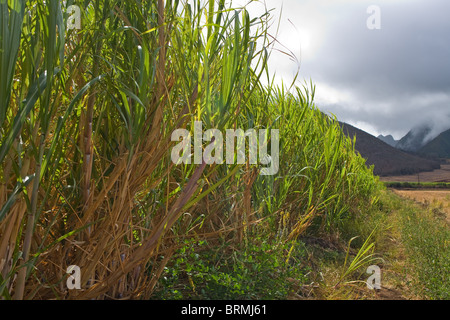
{"x": 384, "y": 81}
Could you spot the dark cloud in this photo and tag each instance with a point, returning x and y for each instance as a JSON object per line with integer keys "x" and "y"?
{"x": 393, "y": 78}
{"x": 410, "y": 52}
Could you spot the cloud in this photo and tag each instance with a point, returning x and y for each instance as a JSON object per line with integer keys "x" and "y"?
{"x": 388, "y": 80}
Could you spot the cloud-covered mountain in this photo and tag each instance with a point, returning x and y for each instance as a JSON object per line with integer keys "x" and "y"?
{"x": 415, "y": 138}
{"x": 438, "y": 147}
{"x": 389, "y": 139}
{"x": 387, "y": 160}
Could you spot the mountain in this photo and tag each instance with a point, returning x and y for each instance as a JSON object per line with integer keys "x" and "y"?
{"x": 415, "y": 138}
{"x": 438, "y": 147}
{"x": 389, "y": 139}
{"x": 386, "y": 159}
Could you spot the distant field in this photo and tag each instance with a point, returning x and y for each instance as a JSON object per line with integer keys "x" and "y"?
{"x": 415, "y": 185}
{"x": 438, "y": 175}
{"x": 437, "y": 199}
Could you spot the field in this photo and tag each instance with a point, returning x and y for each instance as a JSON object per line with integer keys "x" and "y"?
{"x": 418, "y": 246}
{"x": 439, "y": 200}
{"x": 421, "y": 218}
{"x": 410, "y": 245}
{"x": 438, "y": 175}
{"x": 422, "y": 253}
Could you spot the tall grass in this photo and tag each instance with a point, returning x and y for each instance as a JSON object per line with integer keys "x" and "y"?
{"x": 86, "y": 120}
